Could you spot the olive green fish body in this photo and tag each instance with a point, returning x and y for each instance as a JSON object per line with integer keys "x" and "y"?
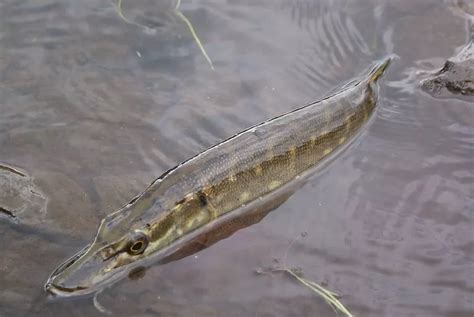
{"x": 253, "y": 163}
{"x": 216, "y": 183}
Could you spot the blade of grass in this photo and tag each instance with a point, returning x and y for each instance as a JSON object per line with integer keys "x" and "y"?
{"x": 327, "y": 295}
{"x": 180, "y": 15}
{"x": 118, "y": 8}
{"x": 99, "y": 306}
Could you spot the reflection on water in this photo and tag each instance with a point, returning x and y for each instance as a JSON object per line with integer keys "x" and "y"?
{"x": 93, "y": 109}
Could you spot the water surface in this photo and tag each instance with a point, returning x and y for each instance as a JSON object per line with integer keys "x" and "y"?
{"x": 93, "y": 108}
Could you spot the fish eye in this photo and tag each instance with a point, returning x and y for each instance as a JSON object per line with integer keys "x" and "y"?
{"x": 138, "y": 243}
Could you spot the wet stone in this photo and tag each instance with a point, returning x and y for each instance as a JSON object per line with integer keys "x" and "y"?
{"x": 456, "y": 78}
{"x": 19, "y": 196}
{"x": 464, "y": 8}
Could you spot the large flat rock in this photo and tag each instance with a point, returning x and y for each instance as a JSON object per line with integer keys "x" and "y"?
{"x": 20, "y": 199}
{"x": 456, "y": 78}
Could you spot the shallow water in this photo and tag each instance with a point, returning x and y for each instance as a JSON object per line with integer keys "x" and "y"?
{"x": 93, "y": 108}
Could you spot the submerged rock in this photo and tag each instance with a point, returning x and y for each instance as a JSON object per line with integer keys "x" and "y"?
{"x": 463, "y": 8}
{"x": 456, "y": 77}
{"x": 19, "y": 196}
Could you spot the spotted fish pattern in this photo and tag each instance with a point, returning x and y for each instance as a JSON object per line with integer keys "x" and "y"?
{"x": 224, "y": 178}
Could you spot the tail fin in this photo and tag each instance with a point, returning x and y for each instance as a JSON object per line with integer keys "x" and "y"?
{"x": 379, "y": 69}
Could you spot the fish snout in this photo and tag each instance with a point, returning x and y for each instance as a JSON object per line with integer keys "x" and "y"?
{"x": 73, "y": 276}
{"x": 61, "y": 290}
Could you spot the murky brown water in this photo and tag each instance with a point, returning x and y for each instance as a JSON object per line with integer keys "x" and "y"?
{"x": 93, "y": 108}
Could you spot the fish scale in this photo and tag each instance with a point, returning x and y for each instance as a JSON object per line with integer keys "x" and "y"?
{"x": 204, "y": 198}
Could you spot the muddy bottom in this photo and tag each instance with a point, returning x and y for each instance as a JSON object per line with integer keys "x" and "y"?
{"x": 94, "y": 105}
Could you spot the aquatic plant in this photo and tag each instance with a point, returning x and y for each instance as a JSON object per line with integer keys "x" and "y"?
{"x": 180, "y": 15}
{"x": 330, "y": 297}
{"x": 193, "y": 32}
{"x": 327, "y": 295}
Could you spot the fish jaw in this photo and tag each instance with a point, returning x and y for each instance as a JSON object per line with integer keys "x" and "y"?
{"x": 87, "y": 272}
{"x": 75, "y": 276}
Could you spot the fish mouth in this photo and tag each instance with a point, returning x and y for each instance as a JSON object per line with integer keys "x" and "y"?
{"x": 57, "y": 290}
{"x": 82, "y": 274}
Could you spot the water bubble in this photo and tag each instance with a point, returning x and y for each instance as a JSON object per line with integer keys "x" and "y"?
{"x": 149, "y": 31}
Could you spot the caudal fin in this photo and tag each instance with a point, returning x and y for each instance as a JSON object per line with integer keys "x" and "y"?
{"x": 379, "y": 69}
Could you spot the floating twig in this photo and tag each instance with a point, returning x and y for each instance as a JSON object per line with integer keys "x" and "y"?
{"x": 12, "y": 170}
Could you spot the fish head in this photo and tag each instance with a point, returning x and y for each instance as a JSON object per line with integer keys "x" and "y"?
{"x": 119, "y": 245}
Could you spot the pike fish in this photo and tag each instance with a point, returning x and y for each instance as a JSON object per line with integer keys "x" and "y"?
{"x": 228, "y": 186}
